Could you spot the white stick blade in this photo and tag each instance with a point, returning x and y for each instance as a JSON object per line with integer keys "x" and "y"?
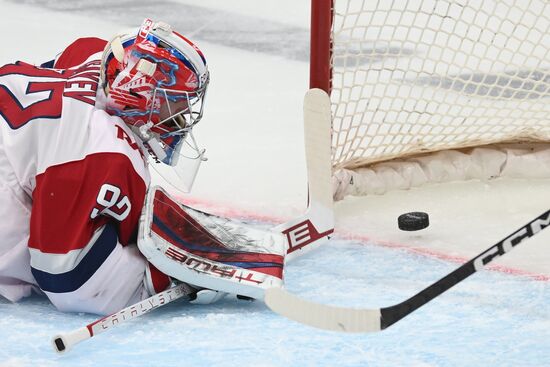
{"x": 317, "y": 134}
{"x": 347, "y": 320}
{"x": 312, "y": 229}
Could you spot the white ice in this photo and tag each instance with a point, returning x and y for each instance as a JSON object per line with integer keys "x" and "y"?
{"x": 252, "y": 130}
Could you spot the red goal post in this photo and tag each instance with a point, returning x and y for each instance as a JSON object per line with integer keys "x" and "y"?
{"x": 433, "y": 90}
{"x": 320, "y": 69}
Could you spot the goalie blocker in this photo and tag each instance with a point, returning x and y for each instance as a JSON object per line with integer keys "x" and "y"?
{"x": 208, "y": 251}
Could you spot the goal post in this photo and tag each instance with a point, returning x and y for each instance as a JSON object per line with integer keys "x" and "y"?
{"x": 433, "y": 90}
{"x": 320, "y": 68}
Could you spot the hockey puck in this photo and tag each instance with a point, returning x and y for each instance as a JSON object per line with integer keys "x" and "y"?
{"x": 413, "y": 221}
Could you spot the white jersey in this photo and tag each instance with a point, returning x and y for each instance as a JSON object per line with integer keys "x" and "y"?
{"x": 73, "y": 184}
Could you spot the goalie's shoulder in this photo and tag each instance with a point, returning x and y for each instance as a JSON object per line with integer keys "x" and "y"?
{"x": 78, "y": 52}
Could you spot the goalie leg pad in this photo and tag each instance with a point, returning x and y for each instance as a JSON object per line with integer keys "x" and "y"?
{"x": 210, "y": 251}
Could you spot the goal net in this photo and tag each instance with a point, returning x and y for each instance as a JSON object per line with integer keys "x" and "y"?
{"x": 433, "y": 90}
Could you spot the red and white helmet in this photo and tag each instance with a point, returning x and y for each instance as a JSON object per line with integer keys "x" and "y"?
{"x": 155, "y": 80}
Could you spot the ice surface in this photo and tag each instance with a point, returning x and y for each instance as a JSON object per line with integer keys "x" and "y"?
{"x": 492, "y": 319}
{"x": 252, "y": 130}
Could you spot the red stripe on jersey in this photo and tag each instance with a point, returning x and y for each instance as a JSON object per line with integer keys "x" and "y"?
{"x": 78, "y": 51}
{"x": 70, "y": 199}
{"x": 159, "y": 280}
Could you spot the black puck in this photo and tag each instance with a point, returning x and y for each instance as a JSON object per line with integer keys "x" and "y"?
{"x": 413, "y": 221}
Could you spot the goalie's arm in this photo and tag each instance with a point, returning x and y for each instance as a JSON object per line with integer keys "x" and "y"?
{"x": 83, "y": 217}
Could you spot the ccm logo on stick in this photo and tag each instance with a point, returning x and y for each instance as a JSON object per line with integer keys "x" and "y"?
{"x": 508, "y": 244}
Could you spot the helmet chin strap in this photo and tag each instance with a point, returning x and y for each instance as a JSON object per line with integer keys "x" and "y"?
{"x": 155, "y": 146}
{"x": 150, "y": 140}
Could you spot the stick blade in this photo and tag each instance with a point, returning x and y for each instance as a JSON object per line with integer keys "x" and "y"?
{"x": 311, "y": 230}
{"x": 317, "y": 136}
{"x": 332, "y": 318}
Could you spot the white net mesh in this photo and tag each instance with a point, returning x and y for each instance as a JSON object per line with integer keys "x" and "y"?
{"x": 416, "y": 76}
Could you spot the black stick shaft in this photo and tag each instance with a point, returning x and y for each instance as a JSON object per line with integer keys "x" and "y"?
{"x": 392, "y": 314}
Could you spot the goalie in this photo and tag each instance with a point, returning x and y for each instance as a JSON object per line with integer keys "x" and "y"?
{"x": 75, "y": 197}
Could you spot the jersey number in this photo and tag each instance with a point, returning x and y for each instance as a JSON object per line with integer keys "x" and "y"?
{"x": 111, "y": 203}
{"x": 12, "y": 109}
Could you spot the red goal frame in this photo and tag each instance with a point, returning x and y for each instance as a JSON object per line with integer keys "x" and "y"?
{"x": 320, "y": 69}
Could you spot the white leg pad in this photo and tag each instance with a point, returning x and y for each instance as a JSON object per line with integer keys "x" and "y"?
{"x": 210, "y": 251}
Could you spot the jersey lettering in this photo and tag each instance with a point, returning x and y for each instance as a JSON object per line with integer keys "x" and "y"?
{"x": 121, "y": 134}
{"x": 82, "y": 84}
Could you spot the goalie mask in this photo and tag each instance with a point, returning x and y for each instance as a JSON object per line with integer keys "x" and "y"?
{"x": 155, "y": 80}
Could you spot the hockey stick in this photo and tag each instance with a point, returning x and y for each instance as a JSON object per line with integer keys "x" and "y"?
{"x": 370, "y": 320}
{"x": 311, "y": 230}
{"x": 65, "y": 341}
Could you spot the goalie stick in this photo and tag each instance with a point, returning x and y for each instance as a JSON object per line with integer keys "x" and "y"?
{"x": 65, "y": 341}
{"x": 352, "y": 320}
{"x": 313, "y": 228}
